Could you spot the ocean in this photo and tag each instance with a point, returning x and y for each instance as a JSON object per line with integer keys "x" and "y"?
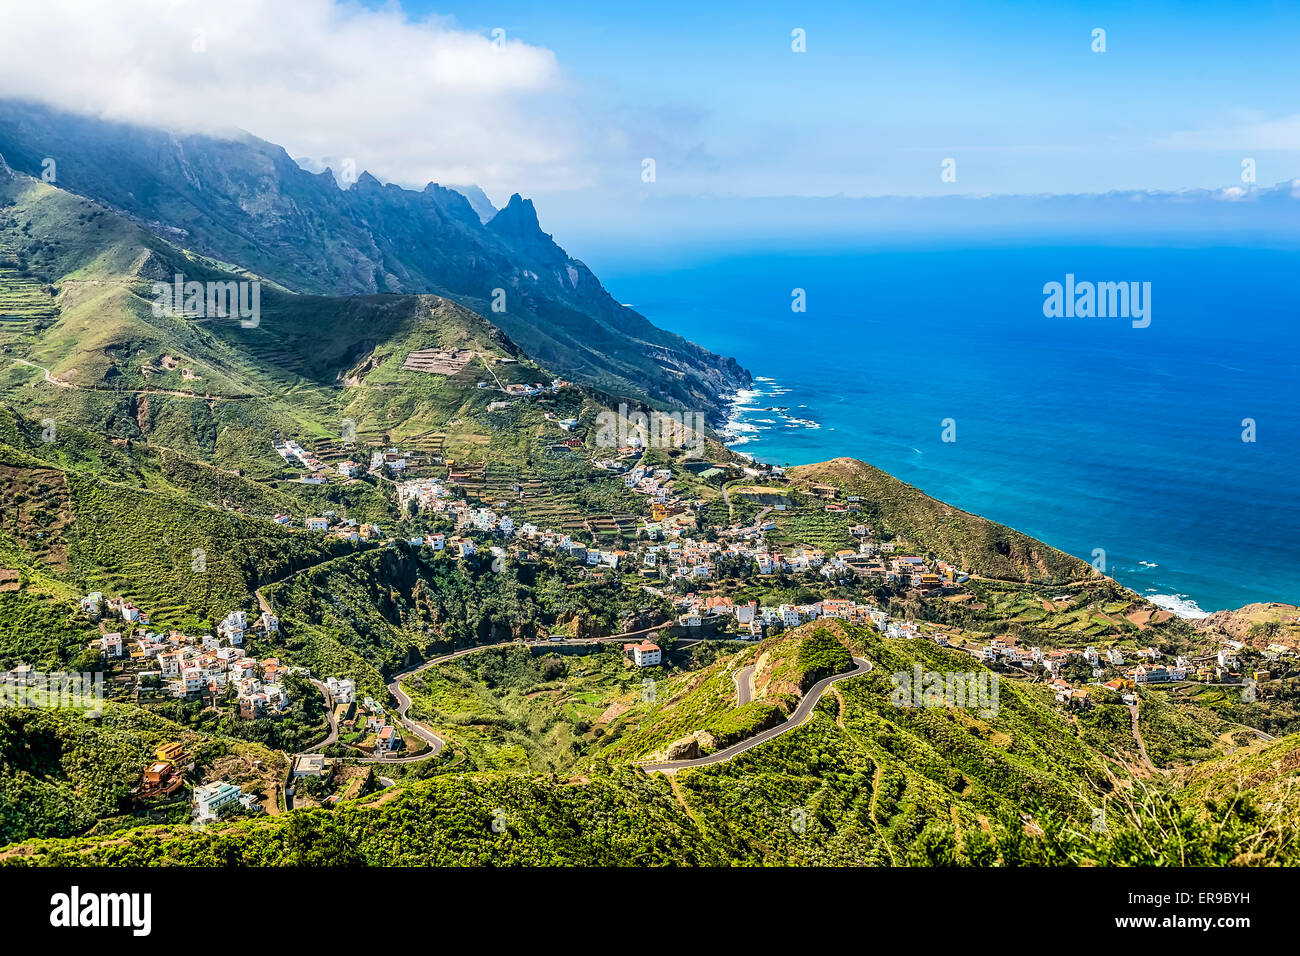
{"x": 1085, "y": 432}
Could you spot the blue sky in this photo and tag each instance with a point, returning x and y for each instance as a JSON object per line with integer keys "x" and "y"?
{"x": 885, "y": 92}
{"x": 579, "y": 95}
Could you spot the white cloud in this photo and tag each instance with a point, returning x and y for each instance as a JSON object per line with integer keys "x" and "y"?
{"x": 411, "y": 101}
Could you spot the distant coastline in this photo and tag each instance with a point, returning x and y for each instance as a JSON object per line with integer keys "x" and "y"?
{"x": 743, "y": 427}
{"x": 1090, "y": 436}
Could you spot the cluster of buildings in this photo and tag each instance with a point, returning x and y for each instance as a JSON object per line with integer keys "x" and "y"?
{"x": 528, "y": 391}
{"x": 292, "y": 452}
{"x": 346, "y": 529}
{"x": 319, "y": 472}
{"x": 392, "y": 459}
{"x": 95, "y": 605}
{"x": 163, "y": 779}
{"x": 351, "y": 714}
{"x": 670, "y": 549}
{"x": 186, "y": 665}
{"x": 694, "y": 611}
{"x": 1150, "y": 666}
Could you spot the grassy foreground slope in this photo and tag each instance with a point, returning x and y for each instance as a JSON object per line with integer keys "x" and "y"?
{"x": 60, "y": 773}
{"x": 862, "y": 782}
{"x": 807, "y": 798}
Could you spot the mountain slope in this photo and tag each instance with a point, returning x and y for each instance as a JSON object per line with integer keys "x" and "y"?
{"x": 243, "y": 200}
{"x": 976, "y": 544}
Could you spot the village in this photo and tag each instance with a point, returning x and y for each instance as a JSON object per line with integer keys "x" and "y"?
{"x": 666, "y": 550}
{"x": 702, "y": 576}
{"x": 148, "y": 666}
{"x": 184, "y": 666}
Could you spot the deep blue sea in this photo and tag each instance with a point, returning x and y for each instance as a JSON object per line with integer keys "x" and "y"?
{"x": 1084, "y": 432}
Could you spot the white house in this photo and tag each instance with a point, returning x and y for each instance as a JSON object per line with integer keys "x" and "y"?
{"x": 110, "y": 645}
{"x": 343, "y": 690}
{"x": 169, "y": 664}
{"x": 232, "y": 627}
{"x": 388, "y": 739}
{"x": 211, "y": 797}
{"x": 644, "y": 654}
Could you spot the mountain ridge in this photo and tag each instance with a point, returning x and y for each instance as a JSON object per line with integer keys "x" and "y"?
{"x": 244, "y": 200}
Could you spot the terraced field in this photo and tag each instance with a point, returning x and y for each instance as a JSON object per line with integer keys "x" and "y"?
{"x": 26, "y": 306}
{"x": 814, "y": 527}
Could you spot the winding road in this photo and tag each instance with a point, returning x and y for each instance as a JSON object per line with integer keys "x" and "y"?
{"x": 52, "y": 380}
{"x": 800, "y": 716}
{"x": 435, "y": 742}
{"x": 1137, "y": 736}
{"x": 744, "y": 679}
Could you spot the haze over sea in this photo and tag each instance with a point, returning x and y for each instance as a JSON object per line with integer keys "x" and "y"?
{"x": 1084, "y": 432}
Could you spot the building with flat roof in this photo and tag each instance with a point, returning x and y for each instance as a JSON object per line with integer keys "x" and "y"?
{"x": 644, "y": 654}
{"x": 309, "y": 765}
{"x": 211, "y": 797}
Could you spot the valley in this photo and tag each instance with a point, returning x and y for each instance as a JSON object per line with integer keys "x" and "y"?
{"x": 384, "y": 529}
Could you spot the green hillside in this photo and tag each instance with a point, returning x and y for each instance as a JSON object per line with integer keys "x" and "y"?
{"x": 61, "y": 774}
{"x": 146, "y": 454}
{"x": 976, "y": 544}
{"x": 309, "y": 235}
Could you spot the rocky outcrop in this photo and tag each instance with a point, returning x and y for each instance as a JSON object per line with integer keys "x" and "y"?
{"x": 685, "y": 749}
{"x": 1256, "y": 624}
{"x": 692, "y": 746}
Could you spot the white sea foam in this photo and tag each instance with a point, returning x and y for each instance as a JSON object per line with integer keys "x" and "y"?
{"x": 1180, "y": 604}
{"x": 1148, "y": 564}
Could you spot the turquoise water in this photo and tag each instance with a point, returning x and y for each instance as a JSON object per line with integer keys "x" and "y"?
{"x": 1085, "y": 432}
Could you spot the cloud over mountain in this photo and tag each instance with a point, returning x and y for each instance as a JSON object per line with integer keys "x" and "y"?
{"x": 411, "y": 100}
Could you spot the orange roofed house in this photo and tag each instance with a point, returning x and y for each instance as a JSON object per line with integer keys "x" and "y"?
{"x": 644, "y": 654}
{"x": 160, "y": 781}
